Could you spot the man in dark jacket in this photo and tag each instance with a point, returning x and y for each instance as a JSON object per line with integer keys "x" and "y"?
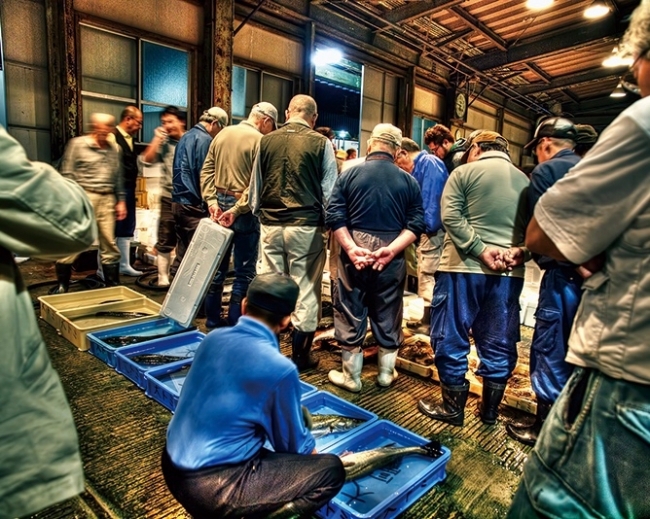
{"x": 293, "y": 177}
{"x": 375, "y": 213}
{"x": 561, "y": 286}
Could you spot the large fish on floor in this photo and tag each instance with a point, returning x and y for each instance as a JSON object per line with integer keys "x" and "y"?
{"x": 362, "y": 463}
{"x": 324, "y": 424}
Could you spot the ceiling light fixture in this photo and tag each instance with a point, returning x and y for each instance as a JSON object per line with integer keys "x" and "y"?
{"x": 327, "y": 56}
{"x": 597, "y": 9}
{"x": 619, "y": 91}
{"x": 615, "y": 60}
{"x": 539, "y": 4}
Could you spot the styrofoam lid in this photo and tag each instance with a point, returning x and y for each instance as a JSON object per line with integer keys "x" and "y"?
{"x": 196, "y": 271}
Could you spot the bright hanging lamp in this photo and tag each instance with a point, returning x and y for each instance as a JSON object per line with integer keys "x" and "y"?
{"x": 597, "y": 9}
{"x": 538, "y": 5}
{"x": 619, "y": 91}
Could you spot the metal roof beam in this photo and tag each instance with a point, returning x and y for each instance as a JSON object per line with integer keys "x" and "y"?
{"x": 561, "y": 82}
{"x": 479, "y": 26}
{"x": 564, "y": 40}
{"x": 414, "y": 10}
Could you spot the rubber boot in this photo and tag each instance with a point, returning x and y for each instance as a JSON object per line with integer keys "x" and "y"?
{"x": 164, "y": 259}
{"x": 111, "y": 274}
{"x": 288, "y": 511}
{"x": 63, "y": 275}
{"x": 234, "y": 310}
{"x": 452, "y": 408}
{"x": 528, "y": 434}
{"x": 422, "y": 326}
{"x": 124, "y": 244}
{"x": 301, "y": 350}
{"x": 386, "y": 360}
{"x": 350, "y": 375}
{"x": 492, "y": 396}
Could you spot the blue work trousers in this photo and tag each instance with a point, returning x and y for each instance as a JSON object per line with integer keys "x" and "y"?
{"x": 559, "y": 297}
{"x": 244, "y": 247}
{"x": 591, "y": 458}
{"x": 487, "y": 304}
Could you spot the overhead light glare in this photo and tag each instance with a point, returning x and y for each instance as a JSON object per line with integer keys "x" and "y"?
{"x": 619, "y": 91}
{"x": 616, "y": 60}
{"x": 538, "y": 5}
{"x": 597, "y": 10}
{"x": 327, "y": 56}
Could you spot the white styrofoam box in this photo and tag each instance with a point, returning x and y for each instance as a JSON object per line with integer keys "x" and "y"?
{"x": 532, "y": 276}
{"x": 528, "y": 304}
{"x": 327, "y": 284}
{"x": 414, "y": 309}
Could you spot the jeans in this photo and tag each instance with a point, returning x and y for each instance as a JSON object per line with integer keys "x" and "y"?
{"x": 559, "y": 297}
{"x": 166, "y": 227}
{"x": 591, "y": 458}
{"x": 244, "y": 248}
{"x": 487, "y": 304}
{"x": 125, "y": 228}
{"x": 186, "y": 220}
{"x": 257, "y": 487}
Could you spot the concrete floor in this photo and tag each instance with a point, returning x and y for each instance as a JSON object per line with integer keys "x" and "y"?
{"x": 122, "y": 432}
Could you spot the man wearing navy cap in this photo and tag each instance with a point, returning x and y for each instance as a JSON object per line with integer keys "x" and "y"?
{"x": 561, "y": 286}
{"x": 240, "y": 393}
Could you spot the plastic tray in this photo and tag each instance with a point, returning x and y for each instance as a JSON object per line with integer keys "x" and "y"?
{"x": 76, "y": 323}
{"x": 51, "y": 305}
{"x": 164, "y": 384}
{"x": 390, "y": 490}
{"x": 323, "y": 402}
{"x": 106, "y": 352}
{"x": 183, "y": 345}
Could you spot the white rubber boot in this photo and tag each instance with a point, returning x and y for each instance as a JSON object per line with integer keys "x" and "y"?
{"x": 387, "y": 373}
{"x": 164, "y": 261}
{"x": 350, "y": 375}
{"x": 124, "y": 244}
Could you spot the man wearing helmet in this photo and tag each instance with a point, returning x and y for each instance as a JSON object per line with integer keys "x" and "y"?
{"x": 561, "y": 286}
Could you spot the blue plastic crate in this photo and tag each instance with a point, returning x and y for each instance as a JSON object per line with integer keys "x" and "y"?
{"x": 390, "y": 490}
{"x": 306, "y": 389}
{"x": 183, "y": 345}
{"x": 106, "y": 352}
{"x": 164, "y": 384}
{"x": 323, "y": 402}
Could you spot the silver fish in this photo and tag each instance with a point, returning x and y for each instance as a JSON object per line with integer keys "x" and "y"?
{"x": 324, "y": 424}
{"x": 362, "y": 463}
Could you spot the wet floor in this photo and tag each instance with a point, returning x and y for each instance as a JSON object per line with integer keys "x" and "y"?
{"x": 122, "y": 432}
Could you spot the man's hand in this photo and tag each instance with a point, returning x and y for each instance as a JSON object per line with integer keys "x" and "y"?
{"x": 589, "y": 268}
{"x": 382, "y": 257}
{"x": 227, "y": 219}
{"x": 215, "y": 212}
{"x": 493, "y": 258}
{"x": 160, "y": 134}
{"x": 360, "y": 257}
{"x": 120, "y": 210}
{"x": 513, "y": 257}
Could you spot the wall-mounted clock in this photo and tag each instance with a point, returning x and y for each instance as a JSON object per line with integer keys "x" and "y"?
{"x": 460, "y": 105}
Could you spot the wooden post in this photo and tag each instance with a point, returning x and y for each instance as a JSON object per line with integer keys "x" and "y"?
{"x": 405, "y": 102}
{"x": 308, "y": 67}
{"x": 62, "y": 71}
{"x": 222, "y": 54}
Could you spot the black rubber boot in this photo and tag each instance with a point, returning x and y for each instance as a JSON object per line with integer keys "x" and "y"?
{"x": 422, "y": 326}
{"x": 111, "y": 274}
{"x": 527, "y": 434}
{"x": 234, "y": 310}
{"x": 451, "y": 409}
{"x": 288, "y": 511}
{"x": 492, "y": 396}
{"x": 301, "y": 350}
{"x": 63, "y": 275}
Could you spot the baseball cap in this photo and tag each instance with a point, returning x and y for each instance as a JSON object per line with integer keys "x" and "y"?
{"x": 219, "y": 114}
{"x": 340, "y": 154}
{"x": 267, "y": 109}
{"x": 558, "y": 127}
{"x": 274, "y": 292}
{"x": 483, "y": 136}
{"x": 586, "y": 134}
{"x": 387, "y": 133}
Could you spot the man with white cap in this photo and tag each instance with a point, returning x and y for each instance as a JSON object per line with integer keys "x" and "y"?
{"x": 375, "y": 213}
{"x": 225, "y": 178}
{"x": 188, "y": 206}
{"x": 293, "y": 177}
{"x": 484, "y": 214}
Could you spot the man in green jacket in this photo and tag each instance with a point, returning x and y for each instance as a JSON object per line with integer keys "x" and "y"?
{"x": 41, "y": 214}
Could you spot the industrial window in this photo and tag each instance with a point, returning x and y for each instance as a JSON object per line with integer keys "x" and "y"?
{"x": 252, "y": 86}
{"x": 117, "y": 70}
{"x": 420, "y": 126}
